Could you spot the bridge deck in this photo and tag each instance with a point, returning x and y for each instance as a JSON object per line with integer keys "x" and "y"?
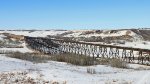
{"x": 104, "y": 45}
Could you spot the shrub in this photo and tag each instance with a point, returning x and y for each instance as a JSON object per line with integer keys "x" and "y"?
{"x": 69, "y": 58}
{"x": 104, "y": 61}
{"x": 33, "y": 57}
{"x": 114, "y": 62}
{"x": 74, "y": 59}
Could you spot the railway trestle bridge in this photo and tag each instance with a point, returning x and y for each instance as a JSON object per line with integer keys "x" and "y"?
{"x": 56, "y": 46}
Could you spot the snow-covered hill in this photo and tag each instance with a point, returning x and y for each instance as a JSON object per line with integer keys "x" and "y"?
{"x": 105, "y": 34}
{"x": 35, "y": 33}
{"x": 131, "y": 35}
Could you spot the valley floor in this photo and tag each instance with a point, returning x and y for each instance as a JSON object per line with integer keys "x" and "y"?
{"x": 16, "y": 71}
{"x": 13, "y": 70}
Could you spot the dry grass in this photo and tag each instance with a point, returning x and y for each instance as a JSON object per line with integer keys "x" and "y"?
{"x": 69, "y": 58}
{"x": 74, "y": 59}
{"x": 103, "y": 61}
{"x": 91, "y": 70}
{"x": 20, "y": 78}
{"x": 114, "y": 62}
{"x": 33, "y": 57}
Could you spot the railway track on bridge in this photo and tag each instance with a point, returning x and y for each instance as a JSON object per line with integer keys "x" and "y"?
{"x": 55, "y": 46}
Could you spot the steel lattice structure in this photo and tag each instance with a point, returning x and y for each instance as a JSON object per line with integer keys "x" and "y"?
{"x": 54, "y": 46}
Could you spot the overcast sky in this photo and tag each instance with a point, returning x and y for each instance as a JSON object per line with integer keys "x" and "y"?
{"x": 74, "y": 14}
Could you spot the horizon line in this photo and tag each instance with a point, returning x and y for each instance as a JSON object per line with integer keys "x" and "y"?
{"x": 70, "y": 29}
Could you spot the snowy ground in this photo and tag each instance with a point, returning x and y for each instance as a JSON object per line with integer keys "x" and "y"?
{"x": 23, "y": 50}
{"x": 66, "y": 73}
{"x": 142, "y": 44}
